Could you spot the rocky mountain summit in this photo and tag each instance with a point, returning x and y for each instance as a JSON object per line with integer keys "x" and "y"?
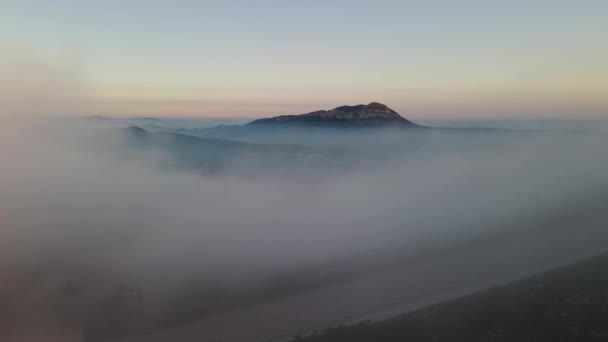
{"x": 373, "y": 114}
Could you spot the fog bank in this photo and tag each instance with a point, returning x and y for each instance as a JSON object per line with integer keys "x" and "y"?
{"x": 82, "y": 212}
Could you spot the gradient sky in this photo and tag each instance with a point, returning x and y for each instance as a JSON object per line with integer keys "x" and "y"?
{"x": 426, "y": 59}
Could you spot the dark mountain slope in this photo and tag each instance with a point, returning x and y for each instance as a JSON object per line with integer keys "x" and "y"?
{"x": 372, "y": 115}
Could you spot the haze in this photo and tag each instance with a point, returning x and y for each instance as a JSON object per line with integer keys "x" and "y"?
{"x": 138, "y": 199}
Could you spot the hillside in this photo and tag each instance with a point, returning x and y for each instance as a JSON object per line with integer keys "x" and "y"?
{"x": 370, "y": 115}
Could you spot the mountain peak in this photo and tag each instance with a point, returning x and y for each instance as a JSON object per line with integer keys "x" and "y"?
{"x": 377, "y": 105}
{"x": 373, "y": 114}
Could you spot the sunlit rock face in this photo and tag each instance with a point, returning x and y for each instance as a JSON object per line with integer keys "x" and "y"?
{"x": 373, "y": 114}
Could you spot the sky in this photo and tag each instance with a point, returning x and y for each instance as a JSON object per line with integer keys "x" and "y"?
{"x": 544, "y": 59}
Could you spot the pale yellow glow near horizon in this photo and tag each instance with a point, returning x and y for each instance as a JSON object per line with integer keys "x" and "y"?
{"x": 555, "y": 101}
{"x": 33, "y": 84}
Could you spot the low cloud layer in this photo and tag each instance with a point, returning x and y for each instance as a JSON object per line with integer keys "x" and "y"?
{"x": 76, "y": 209}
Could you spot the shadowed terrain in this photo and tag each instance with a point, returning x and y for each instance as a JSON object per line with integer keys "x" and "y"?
{"x": 569, "y": 304}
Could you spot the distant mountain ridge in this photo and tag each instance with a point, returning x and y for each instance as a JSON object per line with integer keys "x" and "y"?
{"x": 373, "y": 114}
